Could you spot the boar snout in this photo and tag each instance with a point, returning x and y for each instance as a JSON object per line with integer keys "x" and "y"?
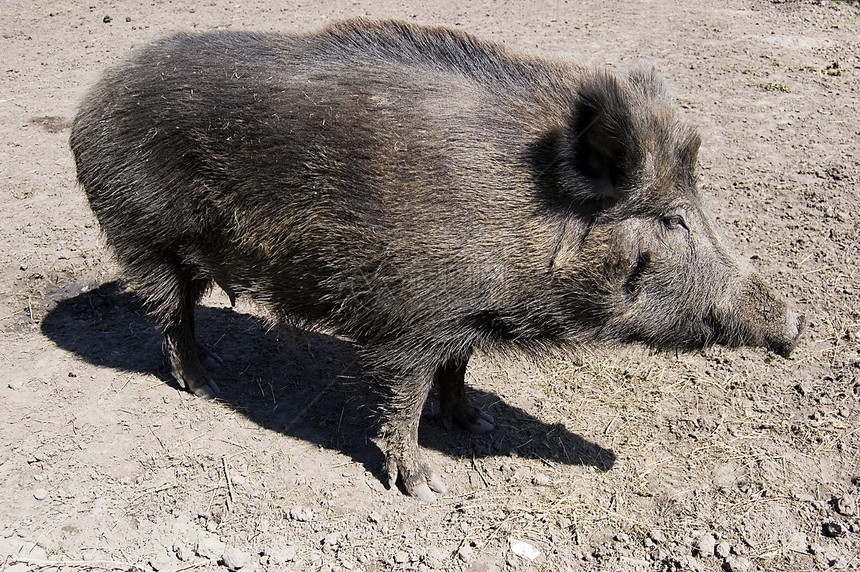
{"x": 768, "y": 318}
{"x": 785, "y": 335}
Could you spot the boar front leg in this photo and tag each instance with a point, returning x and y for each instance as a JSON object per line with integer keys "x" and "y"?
{"x": 403, "y": 397}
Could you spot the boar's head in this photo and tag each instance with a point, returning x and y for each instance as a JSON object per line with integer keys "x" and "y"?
{"x": 645, "y": 263}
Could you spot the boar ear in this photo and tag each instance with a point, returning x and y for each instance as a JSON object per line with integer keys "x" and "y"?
{"x": 598, "y": 151}
{"x": 648, "y": 81}
{"x": 690, "y": 153}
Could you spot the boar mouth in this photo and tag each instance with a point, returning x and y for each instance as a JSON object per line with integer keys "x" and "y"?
{"x": 714, "y": 331}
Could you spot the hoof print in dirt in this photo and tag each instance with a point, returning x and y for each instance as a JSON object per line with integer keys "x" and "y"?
{"x": 833, "y": 529}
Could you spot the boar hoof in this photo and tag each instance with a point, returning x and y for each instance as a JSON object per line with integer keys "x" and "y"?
{"x": 211, "y": 361}
{"x": 208, "y": 391}
{"x": 419, "y": 480}
{"x": 483, "y": 424}
{"x": 423, "y": 493}
{"x": 471, "y": 419}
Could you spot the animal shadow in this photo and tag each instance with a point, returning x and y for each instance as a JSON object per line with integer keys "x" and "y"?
{"x": 303, "y": 384}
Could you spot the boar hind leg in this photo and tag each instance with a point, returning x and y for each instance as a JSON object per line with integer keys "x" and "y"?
{"x": 186, "y": 356}
{"x": 171, "y": 292}
{"x": 454, "y": 406}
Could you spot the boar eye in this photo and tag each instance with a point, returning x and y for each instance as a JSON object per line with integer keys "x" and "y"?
{"x": 675, "y": 221}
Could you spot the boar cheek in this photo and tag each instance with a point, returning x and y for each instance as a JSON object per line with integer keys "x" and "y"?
{"x": 610, "y": 257}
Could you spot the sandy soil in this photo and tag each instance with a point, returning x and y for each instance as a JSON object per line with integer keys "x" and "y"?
{"x": 615, "y": 460}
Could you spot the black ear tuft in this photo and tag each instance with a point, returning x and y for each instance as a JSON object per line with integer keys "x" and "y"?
{"x": 600, "y": 157}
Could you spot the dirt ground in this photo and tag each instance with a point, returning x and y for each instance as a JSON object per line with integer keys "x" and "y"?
{"x": 615, "y": 459}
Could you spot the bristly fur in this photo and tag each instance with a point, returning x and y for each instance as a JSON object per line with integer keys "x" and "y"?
{"x": 416, "y": 190}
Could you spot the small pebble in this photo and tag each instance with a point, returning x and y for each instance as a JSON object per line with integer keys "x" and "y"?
{"x": 234, "y": 558}
{"x": 183, "y": 552}
{"x": 723, "y": 549}
{"x": 40, "y": 494}
{"x": 210, "y": 547}
{"x": 374, "y": 517}
{"x": 401, "y": 557}
{"x": 524, "y": 549}
{"x": 541, "y": 480}
{"x": 301, "y": 514}
{"x": 332, "y": 539}
{"x": 163, "y": 563}
{"x": 466, "y": 554}
{"x": 846, "y": 506}
{"x": 280, "y": 556}
{"x": 704, "y": 545}
{"x": 738, "y": 564}
{"x": 657, "y": 536}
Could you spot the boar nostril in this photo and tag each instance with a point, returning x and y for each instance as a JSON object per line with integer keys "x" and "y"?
{"x": 801, "y": 324}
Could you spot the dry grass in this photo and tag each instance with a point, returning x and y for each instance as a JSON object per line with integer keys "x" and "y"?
{"x": 718, "y": 442}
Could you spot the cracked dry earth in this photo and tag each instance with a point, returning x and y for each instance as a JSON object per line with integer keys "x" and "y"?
{"x": 615, "y": 459}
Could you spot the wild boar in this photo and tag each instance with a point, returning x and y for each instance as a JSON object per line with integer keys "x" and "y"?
{"x": 419, "y": 192}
